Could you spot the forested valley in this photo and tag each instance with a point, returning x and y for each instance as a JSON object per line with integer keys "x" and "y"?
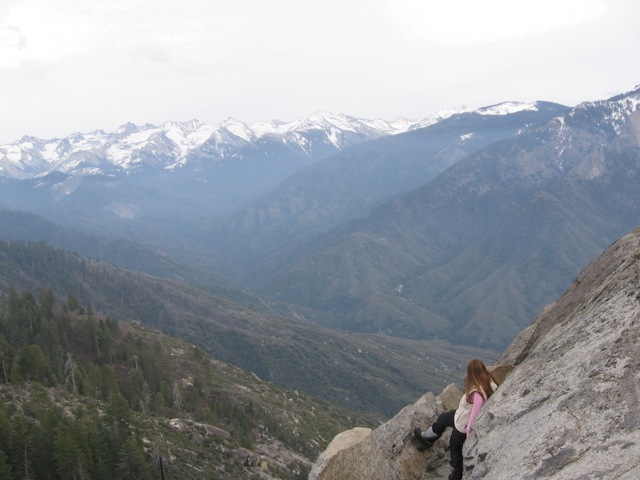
{"x": 88, "y": 397}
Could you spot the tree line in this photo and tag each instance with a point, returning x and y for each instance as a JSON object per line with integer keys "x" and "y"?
{"x": 50, "y": 346}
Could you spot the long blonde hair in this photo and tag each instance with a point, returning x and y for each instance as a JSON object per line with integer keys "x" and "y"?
{"x": 479, "y": 378}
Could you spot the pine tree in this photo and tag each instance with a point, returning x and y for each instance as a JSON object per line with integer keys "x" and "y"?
{"x": 109, "y": 384}
{"x": 119, "y": 413}
{"x": 177, "y": 398}
{"x": 106, "y": 342}
{"x": 49, "y": 426}
{"x": 89, "y": 336}
{"x": 34, "y": 366}
{"x": 72, "y": 303}
{"x": 23, "y": 449}
{"x": 102, "y": 451}
{"x": 47, "y": 302}
{"x": 66, "y": 453}
{"x": 133, "y": 465}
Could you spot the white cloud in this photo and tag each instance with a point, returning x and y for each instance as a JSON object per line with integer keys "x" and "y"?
{"x": 77, "y": 65}
{"x": 457, "y": 22}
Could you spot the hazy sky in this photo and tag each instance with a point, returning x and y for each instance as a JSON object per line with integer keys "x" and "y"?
{"x": 80, "y": 65}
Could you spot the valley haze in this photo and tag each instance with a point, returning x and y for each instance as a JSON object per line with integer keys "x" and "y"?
{"x": 456, "y": 229}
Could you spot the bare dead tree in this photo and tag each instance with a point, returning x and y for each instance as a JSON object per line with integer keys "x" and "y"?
{"x": 177, "y": 398}
{"x": 69, "y": 372}
{"x": 27, "y": 476}
{"x": 4, "y": 367}
{"x": 145, "y": 397}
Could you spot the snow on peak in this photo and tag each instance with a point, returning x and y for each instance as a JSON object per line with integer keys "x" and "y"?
{"x": 127, "y": 128}
{"x": 507, "y": 108}
{"x": 273, "y": 127}
{"x": 239, "y": 129}
{"x": 616, "y": 109}
{"x": 172, "y": 144}
{"x": 321, "y": 120}
{"x": 439, "y": 116}
{"x": 621, "y": 107}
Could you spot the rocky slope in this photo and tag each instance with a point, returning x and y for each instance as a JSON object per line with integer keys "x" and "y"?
{"x": 568, "y": 410}
{"x": 473, "y": 255}
{"x": 571, "y": 409}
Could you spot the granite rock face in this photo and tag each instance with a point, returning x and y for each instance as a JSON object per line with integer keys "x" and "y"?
{"x": 569, "y": 410}
{"x": 389, "y": 452}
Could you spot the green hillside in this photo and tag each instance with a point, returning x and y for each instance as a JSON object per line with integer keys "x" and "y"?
{"x": 372, "y": 374}
{"x": 84, "y": 396}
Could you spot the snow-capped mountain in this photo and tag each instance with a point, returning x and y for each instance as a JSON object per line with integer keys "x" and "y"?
{"x": 318, "y": 197}
{"x": 615, "y": 110}
{"x": 143, "y": 171}
{"x": 132, "y": 148}
{"x": 485, "y": 244}
{"x": 173, "y": 144}
{"x": 504, "y": 108}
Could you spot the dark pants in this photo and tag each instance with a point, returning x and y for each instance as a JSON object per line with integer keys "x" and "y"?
{"x": 455, "y": 442}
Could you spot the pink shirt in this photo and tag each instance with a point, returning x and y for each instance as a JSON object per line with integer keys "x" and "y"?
{"x": 478, "y": 402}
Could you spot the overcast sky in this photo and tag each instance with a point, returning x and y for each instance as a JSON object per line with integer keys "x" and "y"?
{"x": 81, "y": 65}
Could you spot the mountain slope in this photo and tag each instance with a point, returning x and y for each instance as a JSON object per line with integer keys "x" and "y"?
{"x": 80, "y": 394}
{"x": 157, "y": 183}
{"x": 580, "y": 356}
{"x": 349, "y": 184}
{"x": 365, "y": 373}
{"x": 117, "y": 251}
{"x": 566, "y": 408}
{"x": 472, "y": 255}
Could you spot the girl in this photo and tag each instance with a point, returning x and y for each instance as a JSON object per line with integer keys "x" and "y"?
{"x": 479, "y": 386}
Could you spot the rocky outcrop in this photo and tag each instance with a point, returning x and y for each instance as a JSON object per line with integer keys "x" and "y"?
{"x": 388, "y": 452}
{"x": 570, "y": 409}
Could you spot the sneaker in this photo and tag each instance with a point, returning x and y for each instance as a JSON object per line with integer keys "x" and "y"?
{"x": 426, "y": 438}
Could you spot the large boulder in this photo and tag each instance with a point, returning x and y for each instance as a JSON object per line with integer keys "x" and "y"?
{"x": 571, "y": 407}
{"x": 389, "y": 452}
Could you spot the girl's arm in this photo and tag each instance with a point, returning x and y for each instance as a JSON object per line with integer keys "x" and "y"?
{"x": 478, "y": 402}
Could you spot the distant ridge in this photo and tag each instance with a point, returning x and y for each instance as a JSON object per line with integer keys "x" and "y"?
{"x": 459, "y": 230}
{"x": 344, "y": 186}
{"x": 170, "y": 145}
{"x": 472, "y": 255}
{"x": 131, "y": 147}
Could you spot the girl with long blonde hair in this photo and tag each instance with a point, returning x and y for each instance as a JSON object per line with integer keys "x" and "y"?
{"x": 479, "y": 386}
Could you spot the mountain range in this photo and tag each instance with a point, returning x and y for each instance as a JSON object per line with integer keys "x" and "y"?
{"x": 349, "y": 184}
{"x": 173, "y": 145}
{"x": 151, "y": 175}
{"x": 458, "y": 228}
{"x": 473, "y": 254}
{"x": 145, "y": 176}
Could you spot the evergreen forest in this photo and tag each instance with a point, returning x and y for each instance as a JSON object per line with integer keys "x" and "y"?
{"x": 87, "y": 397}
